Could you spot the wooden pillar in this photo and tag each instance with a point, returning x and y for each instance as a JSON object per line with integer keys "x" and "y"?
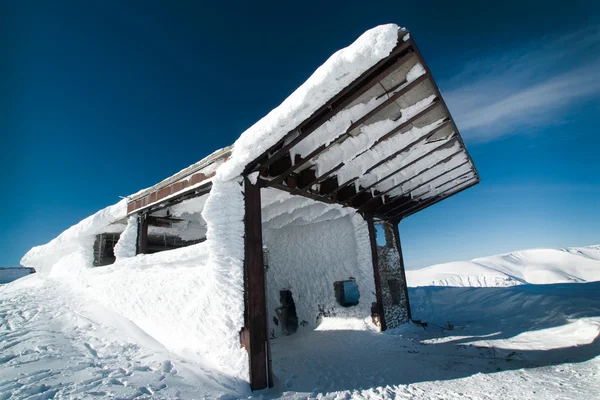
{"x": 399, "y": 246}
{"x": 376, "y": 275}
{"x": 142, "y": 234}
{"x": 254, "y": 285}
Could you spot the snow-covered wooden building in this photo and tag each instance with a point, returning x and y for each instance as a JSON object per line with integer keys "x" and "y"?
{"x": 294, "y": 225}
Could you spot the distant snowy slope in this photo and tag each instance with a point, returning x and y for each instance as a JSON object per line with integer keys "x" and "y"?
{"x": 537, "y": 266}
{"x": 10, "y": 274}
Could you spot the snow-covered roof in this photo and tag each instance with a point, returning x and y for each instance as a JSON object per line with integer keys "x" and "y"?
{"x": 368, "y": 130}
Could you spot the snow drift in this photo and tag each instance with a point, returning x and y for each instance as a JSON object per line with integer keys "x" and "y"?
{"x": 536, "y": 266}
{"x": 525, "y": 341}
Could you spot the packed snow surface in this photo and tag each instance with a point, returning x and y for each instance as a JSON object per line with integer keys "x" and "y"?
{"x": 537, "y": 266}
{"x": 524, "y": 341}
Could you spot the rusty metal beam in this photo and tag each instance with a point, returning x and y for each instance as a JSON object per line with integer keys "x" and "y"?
{"x": 427, "y": 203}
{"x": 402, "y": 267}
{"x": 183, "y": 196}
{"x": 254, "y": 275}
{"x": 395, "y": 96}
{"x": 443, "y": 145}
{"x": 298, "y": 192}
{"x": 395, "y": 203}
{"x": 376, "y": 275}
{"x": 456, "y": 179}
{"x": 321, "y": 149}
{"x": 401, "y": 54}
{"x": 447, "y": 159}
{"x": 142, "y": 234}
{"x": 386, "y": 159}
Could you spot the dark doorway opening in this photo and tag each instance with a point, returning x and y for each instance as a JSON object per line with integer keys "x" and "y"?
{"x": 287, "y": 312}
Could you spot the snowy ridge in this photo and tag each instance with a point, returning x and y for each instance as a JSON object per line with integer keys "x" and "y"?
{"x": 536, "y": 266}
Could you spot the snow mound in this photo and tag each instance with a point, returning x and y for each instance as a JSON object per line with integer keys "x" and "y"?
{"x": 536, "y": 266}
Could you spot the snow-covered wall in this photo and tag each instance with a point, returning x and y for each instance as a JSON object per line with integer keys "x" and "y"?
{"x": 189, "y": 299}
{"x": 308, "y": 259}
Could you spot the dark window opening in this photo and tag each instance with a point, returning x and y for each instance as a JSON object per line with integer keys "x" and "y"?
{"x": 286, "y": 313}
{"x": 104, "y": 249}
{"x": 346, "y": 293}
{"x": 395, "y": 291}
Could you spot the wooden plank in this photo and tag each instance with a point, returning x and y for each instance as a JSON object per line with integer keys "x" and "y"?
{"x": 386, "y": 159}
{"x": 255, "y": 276}
{"x": 447, "y": 159}
{"x": 376, "y": 275}
{"x": 324, "y": 147}
{"x": 387, "y": 102}
{"x": 299, "y": 192}
{"x": 443, "y": 145}
{"x": 424, "y": 204}
{"x": 402, "y": 266}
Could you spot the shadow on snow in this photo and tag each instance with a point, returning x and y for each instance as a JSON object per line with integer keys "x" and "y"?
{"x": 325, "y": 361}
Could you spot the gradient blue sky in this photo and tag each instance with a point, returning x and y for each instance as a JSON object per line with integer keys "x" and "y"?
{"x": 100, "y": 99}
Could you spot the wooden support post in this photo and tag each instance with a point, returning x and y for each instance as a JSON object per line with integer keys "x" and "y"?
{"x": 254, "y": 277}
{"x": 142, "y": 234}
{"x": 376, "y": 275}
{"x": 399, "y": 246}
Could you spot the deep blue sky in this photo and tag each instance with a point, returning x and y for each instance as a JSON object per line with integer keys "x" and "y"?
{"x": 100, "y": 99}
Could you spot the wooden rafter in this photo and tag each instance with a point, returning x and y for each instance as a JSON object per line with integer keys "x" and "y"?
{"x": 447, "y": 159}
{"x": 386, "y": 159}
{"x": 321, "y": 149}
{"x": 442, "y": 146}
{"x": 439, "y": 197}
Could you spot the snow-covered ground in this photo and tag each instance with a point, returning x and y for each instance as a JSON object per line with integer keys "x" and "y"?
{"x": 537, "y": 266}
{"x": 523, "y": 341}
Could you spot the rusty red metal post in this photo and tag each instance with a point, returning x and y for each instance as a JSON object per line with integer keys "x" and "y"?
{"x": 142, "y": 234}
{"x": 376, "y": 275}
{"x": 404, "y": 284}
{"x": 254, "y": 276}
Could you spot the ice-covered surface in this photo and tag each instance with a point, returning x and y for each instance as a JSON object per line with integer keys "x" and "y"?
{"x": 369, "y": 134}
{"x": 537, "y": 266}
{"x": 340, "y": 122}
{"x": 527, "y": 341}
{"x": 127, "y": 244}
{"x": 308, "y": 259}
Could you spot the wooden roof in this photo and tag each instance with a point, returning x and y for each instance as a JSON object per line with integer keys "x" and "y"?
{"x": 396, "y": 149}
{"x": 389, "y": 175}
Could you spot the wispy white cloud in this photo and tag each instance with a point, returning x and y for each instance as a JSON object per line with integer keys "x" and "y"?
{"x": 531, "y": 86}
